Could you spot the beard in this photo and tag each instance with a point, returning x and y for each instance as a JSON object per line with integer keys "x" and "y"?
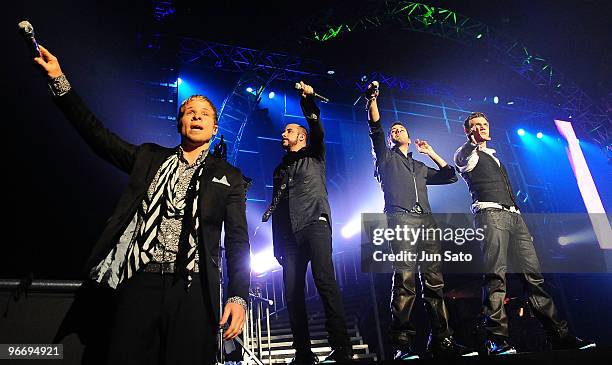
{"x": 287, "y": 144}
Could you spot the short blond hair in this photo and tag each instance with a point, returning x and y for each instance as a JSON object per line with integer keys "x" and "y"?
{"x": 192, "y": 98}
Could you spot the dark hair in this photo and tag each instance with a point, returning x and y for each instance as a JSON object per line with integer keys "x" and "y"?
{"x": 305, "y": 131}
{"x": 466, "y": 122}
{"x": 399, "y": 123}
{"x": 184, "y": 106}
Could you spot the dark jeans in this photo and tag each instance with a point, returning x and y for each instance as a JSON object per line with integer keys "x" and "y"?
{"x": 312, "y": 243}
{"x": 506, "y": 233}
{"x": 156, "y": 321}
{"x": 403, "y": 293}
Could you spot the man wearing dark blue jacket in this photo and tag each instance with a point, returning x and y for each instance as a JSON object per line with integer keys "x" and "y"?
{"x": 404, "y": 183}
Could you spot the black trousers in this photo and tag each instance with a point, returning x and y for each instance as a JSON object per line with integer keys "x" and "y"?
{"x": 403, "y": 294}
{"x": 506, "y": 233}
{"x": 312, "y": 244}
{"x": 156, "y": 321}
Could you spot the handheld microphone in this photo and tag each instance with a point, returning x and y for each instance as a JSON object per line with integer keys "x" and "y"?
{"x": 371, "y": 90}
{"x": 320, "y": 97}
{"x": 27, "y": 31}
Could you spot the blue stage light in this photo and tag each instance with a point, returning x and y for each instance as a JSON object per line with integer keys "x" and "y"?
{"x": 249, "y": 89}
{"x": 271, "y": 95}
{"x": 179, "y": 81}
{"x": 520, "y": 132}
{"x": 539, "y": 135}
{"x": 495, "y": 99}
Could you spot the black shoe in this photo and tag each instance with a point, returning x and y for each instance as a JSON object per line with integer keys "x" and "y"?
{"x": 499, "y": 347}
{"x": 304, "y": 358}
{"x": 405, "y": 354}
{"x": 339, "y": 354}
{"x": 570, "y": 342}
{"x": 447, "y": 347}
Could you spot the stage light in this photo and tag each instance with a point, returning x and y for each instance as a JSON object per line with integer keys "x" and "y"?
{"x": 586, "y": 185}
{"x": 563, "y": 240}
{"x": 271, "y": 95}
{"x": 510, "y": 102}
{"x": 331, "y": 72}
{"x": 263, "y": 261}
{"x": 179, "y": 81}
{"x": 479, "y": 36}
{"x": 540, "y": 135}
{"x": 352, "y": 228}
{"x": 495, "y": 100}
{"x": 520, "y": 132}
{"x": 249, "y": 89}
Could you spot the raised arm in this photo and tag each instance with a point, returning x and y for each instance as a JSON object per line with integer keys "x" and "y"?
{"x": 445, "y": 173}
{"x": 312, "y": 113}
{"x": 466, "y": 157}
{"x": 102, "y": 141}
{"x": 377, "y": 134}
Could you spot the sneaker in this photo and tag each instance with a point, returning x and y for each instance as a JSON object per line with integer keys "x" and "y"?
{"x": 570, "y": 342}
{"x": 304, "y": 358}
{"x": 499, "y": 347}
{"x": 448, "y": 347}
{"x": 405, "y": 354}
{"x": 339, "y": 354}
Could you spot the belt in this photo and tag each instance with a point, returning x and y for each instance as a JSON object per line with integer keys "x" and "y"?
{"x": 163, "y": 267}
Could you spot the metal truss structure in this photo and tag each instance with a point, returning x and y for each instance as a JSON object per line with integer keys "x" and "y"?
{"x": 505, "y": 49}
{"x": 261, "y": 68}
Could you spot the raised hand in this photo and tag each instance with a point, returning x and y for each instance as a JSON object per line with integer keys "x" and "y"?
{"x": 423, "y": 147}
{"x": 372, "y": 91}
{"x": 48, "y": 63}
{"x": 306, "y": 89}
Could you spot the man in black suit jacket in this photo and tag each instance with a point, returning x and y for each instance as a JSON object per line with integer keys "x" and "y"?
{"x": 160, "y": 248}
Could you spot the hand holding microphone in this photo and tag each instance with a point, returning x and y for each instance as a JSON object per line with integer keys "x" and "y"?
{"x": 49, "y": 63}
{"x": 373, "y": 90}
{"x": 308, "y": 90}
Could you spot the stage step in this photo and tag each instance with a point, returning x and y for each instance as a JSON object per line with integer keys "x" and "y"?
{"x": 287, "y": 344}
{"x": 361, "y": 352}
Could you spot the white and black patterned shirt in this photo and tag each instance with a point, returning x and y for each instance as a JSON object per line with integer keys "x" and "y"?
{"x": 171, "y": 226}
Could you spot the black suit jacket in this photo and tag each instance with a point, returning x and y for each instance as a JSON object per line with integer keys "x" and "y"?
{"x": 403, "y": 179}
{"x": 219, "y": 204}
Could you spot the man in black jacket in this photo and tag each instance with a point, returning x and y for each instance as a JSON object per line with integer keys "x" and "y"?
{"x": 496, "y": 212}
{"x": 301, "y": 226}
{"x": 404, "y": 183}
{"x": 160, "y": 247}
